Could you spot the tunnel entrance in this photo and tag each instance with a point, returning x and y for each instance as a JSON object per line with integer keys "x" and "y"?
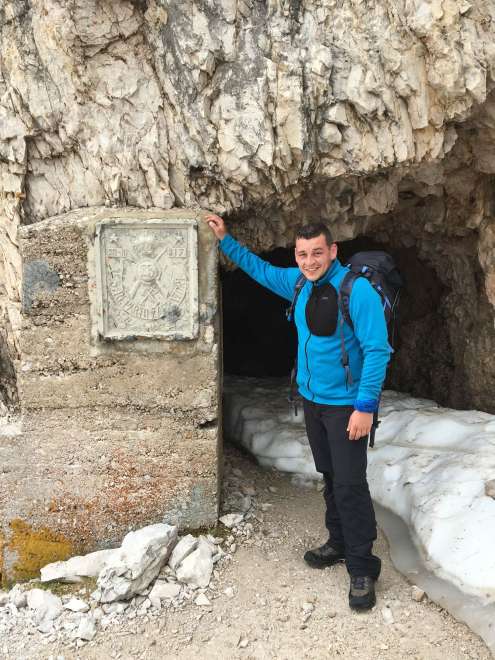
{"x": 259, "y": 342}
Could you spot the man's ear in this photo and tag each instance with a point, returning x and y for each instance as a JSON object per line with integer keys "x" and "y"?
{"x": 333, "y": 250}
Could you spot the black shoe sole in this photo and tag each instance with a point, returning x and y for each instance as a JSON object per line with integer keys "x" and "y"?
{"x": 362, "y": 607}
{"x": 322, "y": 563}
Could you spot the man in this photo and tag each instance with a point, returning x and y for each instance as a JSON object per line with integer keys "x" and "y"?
{"x": 338, "y": 409}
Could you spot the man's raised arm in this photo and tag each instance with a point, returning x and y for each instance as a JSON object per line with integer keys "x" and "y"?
{"x": 279, "y": 280}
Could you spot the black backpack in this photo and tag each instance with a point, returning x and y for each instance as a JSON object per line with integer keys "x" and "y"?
{"x": 381, "y": 272}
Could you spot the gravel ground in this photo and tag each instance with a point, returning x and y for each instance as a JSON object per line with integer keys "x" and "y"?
{"x": 266, "y": 603}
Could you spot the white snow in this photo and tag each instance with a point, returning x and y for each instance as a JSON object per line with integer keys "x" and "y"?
{"x": 429, "y": 465}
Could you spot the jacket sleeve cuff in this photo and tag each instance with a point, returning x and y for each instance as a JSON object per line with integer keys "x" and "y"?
{"x": 366, "y": 405}
{"x": 226, "y": 241}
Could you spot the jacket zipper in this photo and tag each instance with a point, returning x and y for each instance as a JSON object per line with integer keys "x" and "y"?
{"x": 307, "y": 366}
{"x": 307, "y": 361}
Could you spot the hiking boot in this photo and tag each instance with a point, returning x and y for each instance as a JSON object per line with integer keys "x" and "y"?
{"x": 362, "y": 592}
{"x": 323, "y": 556}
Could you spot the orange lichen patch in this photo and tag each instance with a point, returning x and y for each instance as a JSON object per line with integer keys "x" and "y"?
{"x": 35, "y": 548}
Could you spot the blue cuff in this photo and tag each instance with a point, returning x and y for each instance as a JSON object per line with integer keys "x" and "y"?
{"x": 366, "y": 405}
{"x": 224, "y": 240}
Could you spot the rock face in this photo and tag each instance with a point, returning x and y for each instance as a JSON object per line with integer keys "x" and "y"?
{"x": 376, "y": 117}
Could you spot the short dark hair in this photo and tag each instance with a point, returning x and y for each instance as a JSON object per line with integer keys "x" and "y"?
{"x": 313, "y": 230}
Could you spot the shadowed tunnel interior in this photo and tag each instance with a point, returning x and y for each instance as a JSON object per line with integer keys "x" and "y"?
{"x": 258, "y": 340}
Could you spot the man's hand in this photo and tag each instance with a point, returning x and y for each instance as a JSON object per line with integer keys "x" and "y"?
{"x": 216, "y": 224}
{"x": 359, "y": 424}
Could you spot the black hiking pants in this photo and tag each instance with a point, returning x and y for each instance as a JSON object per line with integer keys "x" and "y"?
{"x": 350, "y": 517}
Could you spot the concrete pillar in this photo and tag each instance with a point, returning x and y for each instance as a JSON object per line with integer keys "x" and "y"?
{"x": 119, "y": 384}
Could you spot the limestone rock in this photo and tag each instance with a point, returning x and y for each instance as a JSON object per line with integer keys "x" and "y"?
{"x": 73, "y": 569}
{"x": 196, "y": 569}
{"x": 232, "y": 519}
{"x": 17, "y": 596}
{"x": 137, "y": 562}
{"x": 387, "y": 615}
{"x": 202, "y": 600}
{"x": 46, "y": 605}
{"x": 86, "y": 629}
{"x": 183, "y": 548}
{"x": 76, "y": 605}
{"x": 164, "y": 591}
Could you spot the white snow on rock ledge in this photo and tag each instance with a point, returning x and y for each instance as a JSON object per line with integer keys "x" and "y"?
{"x": 430, "y": 465}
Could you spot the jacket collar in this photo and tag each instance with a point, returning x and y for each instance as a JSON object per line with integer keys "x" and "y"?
{"x": 331, "y": 272}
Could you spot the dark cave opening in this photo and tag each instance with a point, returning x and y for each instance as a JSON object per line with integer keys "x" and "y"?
{"x": 258, "y": 341}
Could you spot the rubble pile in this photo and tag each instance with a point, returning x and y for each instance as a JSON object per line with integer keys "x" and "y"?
{"x": 154, "y": 569}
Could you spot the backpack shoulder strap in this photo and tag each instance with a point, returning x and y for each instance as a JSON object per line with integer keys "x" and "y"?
{"x": 300, "y": 282}
{"x": 345, "y": 291}
{"x": 344, "y": 297}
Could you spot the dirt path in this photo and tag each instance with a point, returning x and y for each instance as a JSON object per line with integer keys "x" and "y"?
{"x": 276, "y": 607}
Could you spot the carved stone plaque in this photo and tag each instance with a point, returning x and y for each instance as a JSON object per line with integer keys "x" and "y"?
{"x": 147, "y": 279}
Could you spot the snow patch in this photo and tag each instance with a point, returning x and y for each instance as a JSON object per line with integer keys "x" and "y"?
{"x": 430, "y": 465}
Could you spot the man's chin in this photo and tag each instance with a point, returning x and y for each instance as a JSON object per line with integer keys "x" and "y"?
{"x": 312, "y": 277}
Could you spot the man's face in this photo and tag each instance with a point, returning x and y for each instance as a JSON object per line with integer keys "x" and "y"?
{"x": 314, "y": 257}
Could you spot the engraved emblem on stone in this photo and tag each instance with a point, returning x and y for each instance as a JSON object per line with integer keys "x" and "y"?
{"x": 148, "y": 284}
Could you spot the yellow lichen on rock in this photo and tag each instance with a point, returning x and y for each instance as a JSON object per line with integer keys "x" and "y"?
{"x": 34, "y": 549}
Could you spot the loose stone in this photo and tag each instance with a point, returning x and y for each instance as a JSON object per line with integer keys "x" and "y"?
{"x": 76, "y": 605}
{"x": 184, "y": 547}
{"x": 232, "y": 519}
{"x": 202, "y": 600}
{"x": 417, "y": 594}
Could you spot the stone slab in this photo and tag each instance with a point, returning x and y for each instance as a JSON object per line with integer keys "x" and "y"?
{"x": 147, "y": 278}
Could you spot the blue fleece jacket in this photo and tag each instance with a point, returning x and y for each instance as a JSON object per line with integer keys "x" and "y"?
{"x": 320, "y": 375}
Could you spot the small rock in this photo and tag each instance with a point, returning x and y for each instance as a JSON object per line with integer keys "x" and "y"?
{"x": 164, "y": 591}
{"x": 245, "y": 503}
{"x": 308, "y": 607}
{"x": 490, "y": 488}
{"x": 18, "y": 597}
{"x": 196, "y": 569}
{"x": 417, "y": 594}
{"x": 243, "y": 642}
{"x": 4, "y": 598}
{"x": 117, "y": 608}
{"x": 232, "y": 519}
{"x": 202, "y": 600}
{"x": 45, "y": 627}
{"x": 86, "y": 629}
{"x": 47, "y": 606}
{"x": 184, "y": 547}
{"x": 273, "y": 489}
{"x": 76, "y": 605}
{"x": 387, "y": 615}
{"x": 229, "y": 592}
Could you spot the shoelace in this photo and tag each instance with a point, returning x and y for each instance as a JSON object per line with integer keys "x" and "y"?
{"x": 359, "y": 582}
